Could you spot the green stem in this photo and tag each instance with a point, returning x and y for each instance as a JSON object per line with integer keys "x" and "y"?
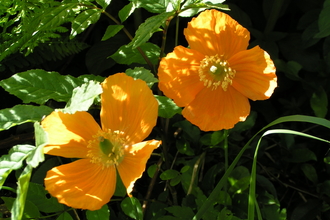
{"x": 225, "y": 147}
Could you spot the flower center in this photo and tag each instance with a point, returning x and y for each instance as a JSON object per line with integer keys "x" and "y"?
{"x": 215, "y": 71}
{"x": 106, "y": 148}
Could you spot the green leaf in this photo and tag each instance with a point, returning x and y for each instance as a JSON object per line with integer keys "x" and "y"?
{"x": 83, "y": 97}
{"x": 152, "y": 170}
{"x": 30, "y": 211}
{"x": 183, "y": 147}
{"x": 64, "y": 216}
{"x": 111, "y": 31}
{"x": 324, "y": 20}
{"x": 132, "y": 208}
{"x": 309, "y": 172}
{"x": 83, "y": 20}
{"x": 39, "y": 196}
{"x": 13, "y": 160}
{"x": 102, "y": 213}
{"x": 181, "y": 212}
{"x": 39, "y": 86}
{"x": 126, "y": 11}
{"x": 169, "y": 174}
{"x": 166, "y": 107}
{"x": 104, "y": 3}
{"x": 127, "y": 55}
{"x": 153, "y": 6}
{"x": 319, "y": 102}
{"x": 23, "y": 185}
{"x": 21, "y": 114}
{"x": 37, "y": 155}
{"x": 142, "y": 73}
{"x": 150, "y": 26}
{"x": 192, "y": 7}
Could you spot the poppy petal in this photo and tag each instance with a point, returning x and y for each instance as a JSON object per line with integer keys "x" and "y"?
{"x": 224, "y": 109}
{"x": 81, "y": 184}
{"x": 128, "y": 106}
{"x": 213, "y": 32}
{"x": 134, "y": 163}
{"x": 255, "y": 73}
{"x": 69, "y": 134}
{"x": 178, "y": 75}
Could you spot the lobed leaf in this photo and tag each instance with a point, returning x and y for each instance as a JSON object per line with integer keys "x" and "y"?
{"x": 21, "y": 114}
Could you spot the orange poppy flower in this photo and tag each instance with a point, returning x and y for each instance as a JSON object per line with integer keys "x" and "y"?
{"x": 128, "y": 113}
{"x": 215, "y": 77}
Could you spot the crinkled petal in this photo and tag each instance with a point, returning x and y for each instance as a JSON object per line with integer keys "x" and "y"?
{"x": 69, "y": 133}
{"x": 128, "y": 106}
{"x": 134, "y": 162}
{"x": 81, "y": 184}
{"x": 178, "y": 75}
{"x": 255, "y": 73}
{"x": 213, "y": 32}
{"x": 217, "y": 110}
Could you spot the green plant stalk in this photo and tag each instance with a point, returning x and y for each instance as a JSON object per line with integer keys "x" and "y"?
{"x": 225, "y": 147}
{"x": 293, "y": 118}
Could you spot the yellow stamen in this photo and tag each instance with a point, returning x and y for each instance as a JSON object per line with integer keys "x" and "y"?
{"x": 106, "y": 148}
{"x": 215, "y": 71}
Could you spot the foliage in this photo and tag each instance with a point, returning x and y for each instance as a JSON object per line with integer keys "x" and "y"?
{"x": 275, "y": 165}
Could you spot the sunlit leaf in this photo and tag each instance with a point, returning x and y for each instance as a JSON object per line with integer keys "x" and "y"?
{"x": 37, "y": 155}
{"x": 83, "y": 97}
{"x": 23, "y": 185}
{"x": 104, "y": 3}
{"x": 39, "y": 86}
{"x": 126, "y": 11}
{"x": 83, "y": 20}
{"x": 142, "y": 73}
{"x": 13, "y": 160}
{"x": 132, "y": 208}
{"x": 166, "y": 107}
{"x": 21, "y": 114}
{"x": 102, "y": 213}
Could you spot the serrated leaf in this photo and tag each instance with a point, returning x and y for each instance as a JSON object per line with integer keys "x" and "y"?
{"x": 13, "y": 160}
{"x": 102, "y": 213}
{"x": 142, "y": 73}
{"x": 111, "y": 31}
{"x": 39, "y": 196}
{"x": 37, "y": 155}
{"x": 150, "y": 26}
{"x": 104, "y": 3}
{"x": 83, "y": 20}
{"x": 23, "y": 184}
{"x": 132, "y": 208}
{"x": 39, "y": 86}
{"x": 126, "y": 11}
{"x": 169, "y": 174}
{"x": 166, "y": 107}
{"x": 127, "y": 55}
{"x": 83, "y": 97}
{"x": 21, "y": 114}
